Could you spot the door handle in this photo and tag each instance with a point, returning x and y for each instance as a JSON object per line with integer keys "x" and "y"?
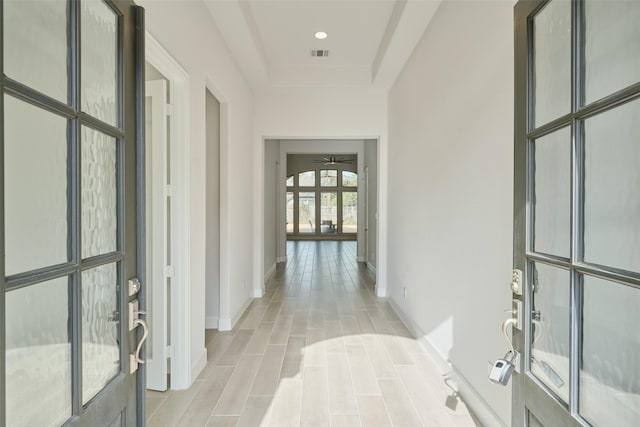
{"x": 145, "y": 335}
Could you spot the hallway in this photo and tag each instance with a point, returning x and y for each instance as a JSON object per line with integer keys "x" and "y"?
{"x": 318, "y": 349}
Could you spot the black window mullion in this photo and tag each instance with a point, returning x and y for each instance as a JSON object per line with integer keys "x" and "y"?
{"x": 577, "y": 96}
{"x": 75, "y": 293}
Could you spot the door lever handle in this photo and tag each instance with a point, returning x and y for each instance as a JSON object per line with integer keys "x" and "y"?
{"x": 145, "y": 335}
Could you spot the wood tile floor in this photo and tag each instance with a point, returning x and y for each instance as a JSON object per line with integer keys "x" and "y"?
{"x": 319, "y": 349}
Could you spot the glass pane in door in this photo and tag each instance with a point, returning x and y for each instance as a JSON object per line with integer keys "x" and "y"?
{"x": 38, "y": 354}
{"x": 99, "y": 193}
{"x": 290, "y": 204}
{"x": 307, "y": 212}
{"x": 36, "y": 191}
{"x": 328, "y": 213}
{"x": 612, "y": 47}
{"x": 99, "y": 55}
{"x": 609, "y": 374}
{"x": 552, "y": 59}
{"x": 100, "y": 350}
{"x": 35, "y": 45}
{"x": 612, "y": 180}
{"x": 552, "y": 193}
{"x": 550, "y": 328}
{"x": 349, "y": 212}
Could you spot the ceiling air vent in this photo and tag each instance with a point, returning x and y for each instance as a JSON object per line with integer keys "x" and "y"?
{"x": 320, "y": 52}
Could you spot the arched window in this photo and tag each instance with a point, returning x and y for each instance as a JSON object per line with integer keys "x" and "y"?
{"x": 321, "y": 202}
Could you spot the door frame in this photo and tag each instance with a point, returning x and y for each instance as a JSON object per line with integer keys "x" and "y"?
{"x": 179, "y": 153}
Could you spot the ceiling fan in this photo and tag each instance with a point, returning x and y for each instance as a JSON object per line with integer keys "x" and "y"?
{"x": 333, "y": 160}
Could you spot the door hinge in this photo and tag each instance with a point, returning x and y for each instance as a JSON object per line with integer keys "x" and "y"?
{"x": 168, "y": 191}
{"x": 170, "y": 352}
{"x": 168, "y": 271}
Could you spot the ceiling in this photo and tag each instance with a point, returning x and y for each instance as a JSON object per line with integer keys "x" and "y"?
{"x": 369, "y": 41}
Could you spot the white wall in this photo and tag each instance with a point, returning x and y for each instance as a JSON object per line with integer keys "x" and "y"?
{"x": 271, "y": 164}
{"x": 186, "y": 31}
{"x": 450, "y": 191}
{"x": 316, "y": 113}
{"x": 212, "y": 269}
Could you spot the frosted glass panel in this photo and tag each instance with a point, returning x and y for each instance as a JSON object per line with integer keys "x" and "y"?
{"x": 99, "y": 201}
{"x": 552, "y": 193}
{"x": 100, "y": 351}
{"x": 612, "y": 46}
{"x": 35, "y": 172}
{"x": 552, "y": 51}
{"x": 99, "y": 64}
{"x": 551, "y": 328}
{"x": 612, "y": 180}
{"x": 35, "y": 45}
{"x": 609, "y": 374}
{"x": 38, "y": 355}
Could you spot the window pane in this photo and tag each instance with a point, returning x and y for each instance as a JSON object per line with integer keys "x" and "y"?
{"x": 35, "y": 45}
{"x": 328, "y": 212}
{"x": 612, "y": 47}
{"x": 35, "y": 172}
{"x": 307, "y": 213}
{"x": 99, "y": 60}
{"x": 551, "y": 328}
{"x": 552, "y": 193}
{"x": 307, "y": 179}
{"x": 612, "y": 179}
{"x": 349, "y": 179}
{"x": 290, "y": 219}
{"x": 328, "y": 178}
{"x": 552, "y": 51}
{"x": 609, "y": 375}
{"x": 290, "y": 181}
{"x": 99, "y": 201}
{"x": 349, "y": 212}
{"x": 38, "y": 355}
{"x": 100, "y": 351}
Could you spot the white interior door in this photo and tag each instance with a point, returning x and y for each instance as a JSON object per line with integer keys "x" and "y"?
{"x": 156, "y": 233}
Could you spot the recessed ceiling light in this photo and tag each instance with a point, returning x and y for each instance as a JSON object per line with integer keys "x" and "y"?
{"x": 321, "y": 35}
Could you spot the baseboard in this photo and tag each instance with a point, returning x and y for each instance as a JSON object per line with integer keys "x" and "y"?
{"x": 281, "y": 259}
{"x": 199, "y": 365}
{"x": 371, "y": 267}
{"x": 381, "y": 292}
{"x": 269, "y": 273}
{"x": 224, "y": 324}
{"x": 211, "y": 322}
{"x": 474, "y": 400}
{"x": 259, "y": 292}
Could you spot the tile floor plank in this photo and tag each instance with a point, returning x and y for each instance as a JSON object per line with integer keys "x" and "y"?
{"x": 319, "y": 349}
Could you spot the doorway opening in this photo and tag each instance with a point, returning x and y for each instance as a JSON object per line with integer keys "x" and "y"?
{"x": 320, "y": 190}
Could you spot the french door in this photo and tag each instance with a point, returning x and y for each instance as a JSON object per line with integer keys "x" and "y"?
{"x": 68, "y": 216}
{"x": 577, "y": 212}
